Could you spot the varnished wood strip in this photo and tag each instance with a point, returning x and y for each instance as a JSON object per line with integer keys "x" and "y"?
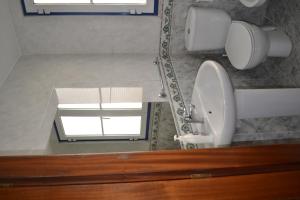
{"x": 150, "y": 166}
{"x": 142, "y": 177}
{"x": 107, "y": 164}
{"x": 273, "y": 186}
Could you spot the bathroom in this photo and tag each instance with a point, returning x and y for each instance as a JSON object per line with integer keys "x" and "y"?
{"x": 45, "y": 52}
{"x": 271, "y": 73}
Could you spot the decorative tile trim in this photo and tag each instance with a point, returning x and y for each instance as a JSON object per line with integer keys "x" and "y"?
{"x": 176, "y": 99}
{"x": 156, "y": 113}
{"x": 170, "y": 80}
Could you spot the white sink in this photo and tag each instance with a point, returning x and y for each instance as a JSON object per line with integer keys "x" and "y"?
{"x": 253, "y": 3}
{"x": 219, "y": 106}
{"x": 213, "y": 95}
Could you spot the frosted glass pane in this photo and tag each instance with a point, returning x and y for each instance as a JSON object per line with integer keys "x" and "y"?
{"x": 122, "y": 105}
{"x": 88, "y": 1}
{"x": 122, "y": 125}
{"x": 78, "y": 95}
{"x": 61, "y": 1}
{"x": 82, "y": 126}
{"x": 78, "y": 106}
{"x": 121, "y": 1}
{"x": 122, "y": 95}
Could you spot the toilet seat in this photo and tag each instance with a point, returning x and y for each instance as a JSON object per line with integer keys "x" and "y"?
{"x": 246, "y": 45}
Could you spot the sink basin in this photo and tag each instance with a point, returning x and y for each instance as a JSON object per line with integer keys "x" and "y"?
{"x": 253, "y": 3}
{"x": 216, "y": 106}
{"x": 214, "y": 96}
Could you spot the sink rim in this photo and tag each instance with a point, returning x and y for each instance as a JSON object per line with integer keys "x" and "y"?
{"x": 228, "y": 105}
{"x": 252, "y": 3}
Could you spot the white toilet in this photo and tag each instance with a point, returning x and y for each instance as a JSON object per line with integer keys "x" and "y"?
{"x": 246, "y": 45}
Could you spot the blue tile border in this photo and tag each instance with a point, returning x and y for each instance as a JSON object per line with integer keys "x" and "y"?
{"x": 156, "y": 116}
{"x": 176, "y": 99}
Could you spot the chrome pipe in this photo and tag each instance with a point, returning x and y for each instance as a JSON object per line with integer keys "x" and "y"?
{"x": 162, "y": 93}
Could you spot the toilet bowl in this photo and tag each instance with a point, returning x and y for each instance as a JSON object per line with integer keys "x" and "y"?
{"x": 246, "y": 45}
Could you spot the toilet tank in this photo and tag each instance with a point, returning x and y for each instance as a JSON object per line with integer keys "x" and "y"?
{"x": 206, "y": 29}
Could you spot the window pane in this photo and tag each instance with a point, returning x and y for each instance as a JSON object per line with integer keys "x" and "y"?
{"x": 122, "y": 95}
{"x": 61, "y": 1}
{"x": 122, "y": 105}
{"x": 121, "y": 1}
{"x": 78, "y": 106}
{"x": 78, "y": 95}
{"x": 88, "y": 1}
{"x": 82, "y": 126}
{"x": 130, "y": 125}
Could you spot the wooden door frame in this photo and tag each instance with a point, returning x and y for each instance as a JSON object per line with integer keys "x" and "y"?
{"x": 167, "y": 168}
{"x": 147, "y": 166}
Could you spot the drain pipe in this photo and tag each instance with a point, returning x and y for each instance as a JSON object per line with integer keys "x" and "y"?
{"x": 162, "y": 93}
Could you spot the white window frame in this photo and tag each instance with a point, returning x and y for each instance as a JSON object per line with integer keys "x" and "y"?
{"x": 102, "y": 112}
{"x": 150, "y": 8}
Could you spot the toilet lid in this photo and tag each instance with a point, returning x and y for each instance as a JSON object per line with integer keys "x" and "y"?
{"x": 239, "y": 44}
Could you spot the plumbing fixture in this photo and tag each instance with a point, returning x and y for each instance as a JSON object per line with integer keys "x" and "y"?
{"x": 162, "y": 93}
{"x": 189, "y": 116}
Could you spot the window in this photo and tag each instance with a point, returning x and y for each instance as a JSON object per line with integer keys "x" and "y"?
{"x": 92, "y": 7}
{"x": 101, "y": 114}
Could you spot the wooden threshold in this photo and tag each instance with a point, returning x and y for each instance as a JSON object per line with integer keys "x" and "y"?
{"x": 271, "y": 186}
{"x": 56, "y": 170}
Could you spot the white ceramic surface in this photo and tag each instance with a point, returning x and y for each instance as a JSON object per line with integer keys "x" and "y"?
{"x": 220, "y": 106}
{"x": 280, "y": 44}
{"x": 255, "y": 103}
{"x": 253, "y": 3}
{"x": 247, "y": 45}
{"x": 214, "y": 91}
{"x": 206, "y": 29}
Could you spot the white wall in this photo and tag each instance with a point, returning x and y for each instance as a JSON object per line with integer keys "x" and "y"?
{"x": 9, "y": 48}
{"x": 85, "y": 34}
{"x": 28, "y": 103}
